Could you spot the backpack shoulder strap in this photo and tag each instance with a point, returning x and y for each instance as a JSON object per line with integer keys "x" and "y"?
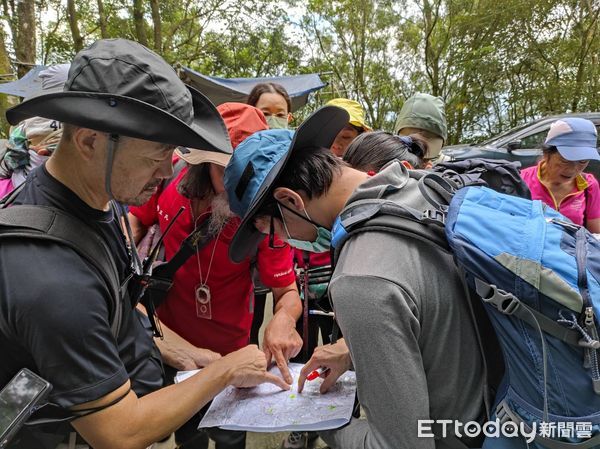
{"x": 388, "y": 216}
{"x": 54, "y": 225}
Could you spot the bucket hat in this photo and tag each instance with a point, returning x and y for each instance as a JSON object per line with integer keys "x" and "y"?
{"x": 257, "y": 164}
{"x": 241, "y": 121}
{"x": 119, "y": 86}
{"x": 354, "y": 109}
{"x": 575, "y": 138}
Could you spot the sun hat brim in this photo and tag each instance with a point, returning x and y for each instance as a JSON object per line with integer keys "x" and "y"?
{"x": 127, "y": 116}
{"x": 197, "y": 157}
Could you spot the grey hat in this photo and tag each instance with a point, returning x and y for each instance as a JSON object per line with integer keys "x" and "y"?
{"x": 121, "y": 87}
{"x": 423, "y": 111}
{"x": 52, "y": 79}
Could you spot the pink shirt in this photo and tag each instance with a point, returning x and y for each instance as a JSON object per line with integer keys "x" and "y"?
{"x": 6, "y": 186}
{"x": 574, "y": 205}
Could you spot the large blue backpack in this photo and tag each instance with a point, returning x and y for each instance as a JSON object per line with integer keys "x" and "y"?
{"x": 538, "y": 278}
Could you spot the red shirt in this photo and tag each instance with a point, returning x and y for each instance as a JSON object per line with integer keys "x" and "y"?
{"x": 230, "y": 284}
{"x": 314, "y": 259}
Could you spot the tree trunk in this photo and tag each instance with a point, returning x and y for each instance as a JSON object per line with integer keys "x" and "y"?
{"x": 72, "y": 12}
{"x": 11, "y": 17}
{"x": 25, "y": 39}
{"x": 102, "y": 20}
{"x": 157, "y": 28}
{"x": 140, "y": 24}
{"x": 5, "y": 69}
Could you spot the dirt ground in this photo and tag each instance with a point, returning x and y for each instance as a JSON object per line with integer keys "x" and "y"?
{"x": 270, "y": 441}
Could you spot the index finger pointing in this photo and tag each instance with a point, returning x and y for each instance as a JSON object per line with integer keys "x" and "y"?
{"x": 276, "y": 380}
{"x": 282, "y": 365}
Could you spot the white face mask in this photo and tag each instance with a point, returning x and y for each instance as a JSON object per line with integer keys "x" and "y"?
{"x": 35, "y": 160}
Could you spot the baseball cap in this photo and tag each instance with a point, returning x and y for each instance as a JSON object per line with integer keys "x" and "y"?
{"x": 575, "y": 138}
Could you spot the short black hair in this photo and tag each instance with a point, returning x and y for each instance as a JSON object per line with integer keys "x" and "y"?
{"x": 374, "y": 150}
{"x": 310, "y": 170}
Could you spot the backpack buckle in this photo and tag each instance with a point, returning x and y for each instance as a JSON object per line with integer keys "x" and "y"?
{"x": 503, "y": 301}
{"x": 501, "y": 413}
{"x": 433, "y": 216}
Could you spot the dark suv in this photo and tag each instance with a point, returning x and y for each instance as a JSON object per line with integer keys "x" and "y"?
{"x": 518, "y": 144}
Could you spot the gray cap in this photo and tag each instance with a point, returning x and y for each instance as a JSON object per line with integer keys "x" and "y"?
{"x": 423, "y": 111}
{"x": 119, "y": 86}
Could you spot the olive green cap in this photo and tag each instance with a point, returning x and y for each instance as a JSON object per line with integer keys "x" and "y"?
{"x": 423, "y": 111}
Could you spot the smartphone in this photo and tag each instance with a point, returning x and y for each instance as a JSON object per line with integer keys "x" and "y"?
{"x": 18, "y": 400}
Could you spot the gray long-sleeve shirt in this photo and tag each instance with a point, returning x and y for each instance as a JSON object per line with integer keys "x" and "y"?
{"x": 401, "y": 307}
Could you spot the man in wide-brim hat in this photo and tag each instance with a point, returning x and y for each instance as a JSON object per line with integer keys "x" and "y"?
{"x": 124, "y": 111}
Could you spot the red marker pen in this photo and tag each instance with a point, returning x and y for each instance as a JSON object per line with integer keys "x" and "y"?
{"x": 317, "y": 373}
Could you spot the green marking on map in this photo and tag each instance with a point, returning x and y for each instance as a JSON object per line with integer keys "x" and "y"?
{"x": 292, "y": 396}
{"x": 332, "y": 407}
{"x": 270, "y": 411}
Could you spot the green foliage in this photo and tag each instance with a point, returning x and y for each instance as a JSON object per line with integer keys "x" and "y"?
{"x": 496, "y": 63}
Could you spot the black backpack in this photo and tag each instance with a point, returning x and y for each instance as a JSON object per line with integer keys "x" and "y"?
{"x": 54, "y": 225}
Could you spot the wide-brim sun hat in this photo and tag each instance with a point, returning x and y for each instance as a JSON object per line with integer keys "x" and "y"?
{"x": 118, "y": 86}
{"x": 575, "y": 138}
{"x": 241, "y": 121}
{"x": 257, "y": 164}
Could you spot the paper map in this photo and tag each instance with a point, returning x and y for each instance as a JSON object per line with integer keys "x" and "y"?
{"x": 267, "y": 408}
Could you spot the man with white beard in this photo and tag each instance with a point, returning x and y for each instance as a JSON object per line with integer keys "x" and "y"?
{"x": 208, "y": 310}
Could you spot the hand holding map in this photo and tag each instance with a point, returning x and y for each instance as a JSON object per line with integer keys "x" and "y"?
{"x": 266, "y": 408}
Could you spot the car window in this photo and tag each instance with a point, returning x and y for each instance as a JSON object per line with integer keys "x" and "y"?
{"x": 534, "y": 140}
{"x": 494, "y": 140}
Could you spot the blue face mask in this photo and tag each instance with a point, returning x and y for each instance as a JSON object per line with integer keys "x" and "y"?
{"x": 320, "y": 245}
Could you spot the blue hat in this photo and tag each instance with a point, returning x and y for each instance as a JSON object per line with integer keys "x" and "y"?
{"x": 257, "y": 163}
{"x": 575, "y": 139}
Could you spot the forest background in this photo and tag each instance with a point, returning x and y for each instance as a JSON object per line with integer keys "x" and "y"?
{"x": 496, "y": 63}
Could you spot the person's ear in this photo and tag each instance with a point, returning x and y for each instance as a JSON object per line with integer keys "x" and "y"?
{"x": 407, "y": 164}
{"x": 290, "y": 117}
{"x": 289, "y": 198}
{"x": 87, "y": 142}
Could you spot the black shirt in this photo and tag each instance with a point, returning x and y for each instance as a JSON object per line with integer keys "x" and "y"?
{"x": 54, "y": 309}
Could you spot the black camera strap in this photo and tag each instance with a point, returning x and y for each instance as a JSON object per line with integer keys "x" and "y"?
{"x": 157, "y": 280}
